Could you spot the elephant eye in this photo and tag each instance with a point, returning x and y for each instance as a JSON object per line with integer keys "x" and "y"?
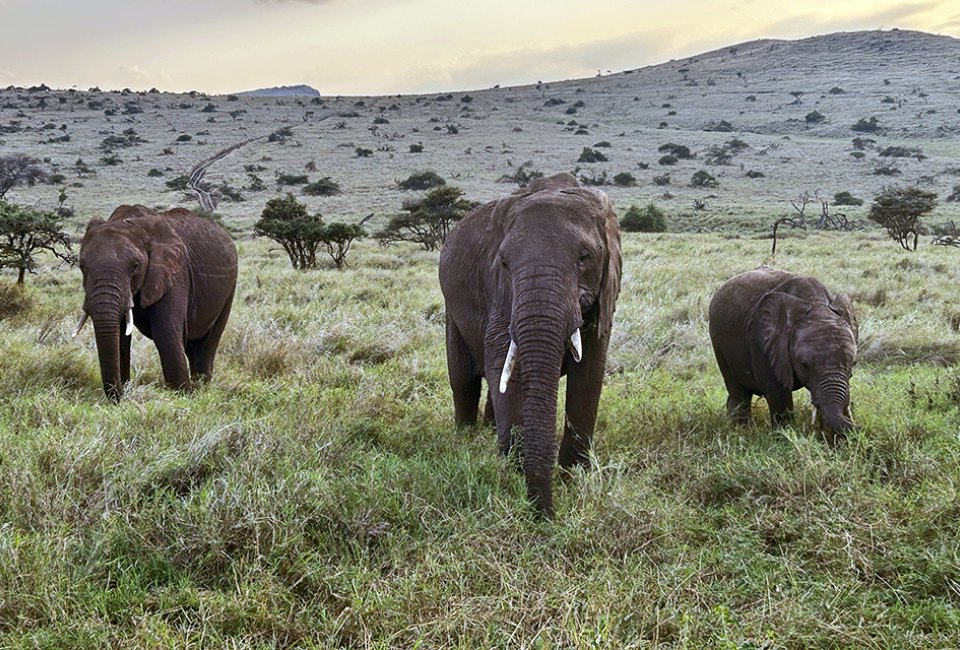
{"x": 584, "y": 256}
{"x": 134, "y": 265}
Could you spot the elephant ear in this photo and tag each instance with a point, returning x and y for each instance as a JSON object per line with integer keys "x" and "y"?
{"x": 843, "y": 307}
{"x": 167, "y": 259}
{"x": 613, "y": 264}
{"x": 771, "y": 325}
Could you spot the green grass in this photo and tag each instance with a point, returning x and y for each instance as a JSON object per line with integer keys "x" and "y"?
{"x": 316, "y": 494}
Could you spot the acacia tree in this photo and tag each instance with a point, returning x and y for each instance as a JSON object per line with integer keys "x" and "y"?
{"x": 899, "y": 210}
{"x": 427, "y": 221}
{"x": 338, "y": 237}
{"x": 24, "y": 232}
{"x": 19, "y": 168}
{"x": 287, "y": 222}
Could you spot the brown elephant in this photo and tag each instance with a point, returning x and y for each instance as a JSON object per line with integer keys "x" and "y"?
{"x": 530, "y": 283}
{"x": 171, "y": 274}
{"x": 775, "y": 332}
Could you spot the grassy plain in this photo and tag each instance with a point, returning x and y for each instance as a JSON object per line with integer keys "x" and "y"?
{"x": 316, "y": 494}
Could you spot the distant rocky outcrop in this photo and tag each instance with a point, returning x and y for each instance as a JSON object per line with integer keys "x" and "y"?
{"x": 300, "y": 90}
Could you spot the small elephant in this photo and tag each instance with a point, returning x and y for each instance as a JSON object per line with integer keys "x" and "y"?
{"x": 530, "y": 284}
{"x": 171, "y": 274}
{"x": 775, "y": 332}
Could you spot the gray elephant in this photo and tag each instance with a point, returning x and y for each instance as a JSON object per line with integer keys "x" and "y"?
{"x": 775, "y": 332}
{"x": 172, "y": 275}
{"x": 530, "y": 283}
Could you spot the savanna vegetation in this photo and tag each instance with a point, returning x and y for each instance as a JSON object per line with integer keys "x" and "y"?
{"x": 316, "y": 494}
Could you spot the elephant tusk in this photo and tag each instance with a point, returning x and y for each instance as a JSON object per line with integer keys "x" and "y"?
{"x": 814, "y": 419}
{"x": 508, "y": 366}
{"x": 849, "y": 412}
{"x": 577, "y": 345}
{"x": 129, "y": 323}
{"x": 76, "y": 330}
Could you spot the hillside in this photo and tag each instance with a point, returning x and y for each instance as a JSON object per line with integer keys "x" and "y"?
{"x": 782, "y": 111}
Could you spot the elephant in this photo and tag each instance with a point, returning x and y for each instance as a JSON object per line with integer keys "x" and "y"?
{"x": 530, "y": 283}
{"x": 172, "y": 275}
{"x": 774, "y": 332}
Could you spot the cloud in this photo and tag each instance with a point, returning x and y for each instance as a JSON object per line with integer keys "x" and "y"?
{"x": 135, "y": 77}
{"x": 528, "y": 65}
{"x": 809, "y": 23}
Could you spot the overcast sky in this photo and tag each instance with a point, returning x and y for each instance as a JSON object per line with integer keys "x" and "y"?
{"x": 353, "y": 47}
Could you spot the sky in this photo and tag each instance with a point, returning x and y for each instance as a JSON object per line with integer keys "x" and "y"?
{"x": 377, "y": 47}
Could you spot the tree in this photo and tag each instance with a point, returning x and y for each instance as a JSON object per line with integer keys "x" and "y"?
{"x": 647, "y": 219}
{"x": 24, "y": 232}
{"x": 427, "y": 221}
{"x": 286, "y": 221}
{"x": 899, "y": 210}
{"x": 338, "y": 237}
{"x": 19, "y": 168}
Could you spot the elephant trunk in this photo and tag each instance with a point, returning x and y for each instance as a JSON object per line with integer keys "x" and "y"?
{"x": 109, "y": 312}
{"x": 542, "y": 325}
{"x": 831, "y": 398}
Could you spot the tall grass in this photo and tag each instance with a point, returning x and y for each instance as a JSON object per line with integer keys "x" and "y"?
{"x": 315, "y": 494}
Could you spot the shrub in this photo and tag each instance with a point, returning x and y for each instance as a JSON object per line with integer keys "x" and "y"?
{"x": 867, "y": 126}
{"x": 523, "y": 175}
{"x": 897, "y": 151}
{"x": 326, "y": 186}
{"x": 899, "y": 211}
{"x": 663, "y": 179}
{"x": 667, "y": 160}
{"x": 647, "y": 219}
{"x": 753, "y": 173}
{"x": 363, "y": 153}
{"x": 427, "y": 221}
{"x": 703, "y": 178}
{"x": 722, "y": 126}
{"x": 589, "y": 155}
{"x": 17, "y": 169}
{"x": 678, "y": 150}
{"x": 814, "y": 117}
{"x": 416, "y": 148}
{"x": 337, "y": 238}
{"x": 422, "y": 181}
{"x": 292, "y": 179}
{"x": 625, "y": 179}
{"x": 25, "y": 231}
{"x": 955, "y": 194}
{"x": 286, "y": 221}
{"x": 180, "y": 184}
{"x": 186, "y": 137}
{"x": 154, "y": 173}
{"x": 862, "y": 143}
{"x": 845, "y": 198}
{"x": 603, "y": 144}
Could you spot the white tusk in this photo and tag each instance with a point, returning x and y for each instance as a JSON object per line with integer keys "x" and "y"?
{"x": 76, "y": 330}
{"x": 129, "y": 323}
{"x": 508, "y": 366}
{"x": 577, "y": 346}
{"x": 849, "y": 412}
{"x": 814, "y": 420}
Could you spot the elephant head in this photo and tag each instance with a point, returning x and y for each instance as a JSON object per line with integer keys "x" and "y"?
{"x": 812, "y": 344}
{"x": 131, "y": 260}
{"x": 558, "y": 275}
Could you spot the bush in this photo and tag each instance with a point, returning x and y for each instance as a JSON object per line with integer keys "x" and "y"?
{"x": 662, "y": 179}
{"x": 899, "y": 211}
{"x": 524, "y": 174}
{"x": 955, "y": 194}
{"x": 416, "y": 148}
{"x": 722, "y": 126}
{"x": 24, "y": 232}
{"x": 703, "y": 178}
{"x": 681, "y": 151}
{"x": 286, "y": 221}
{"x": 647, "y": 219}
{"x": 422, "y": 181}
{"x": 427, "y": 221}
{"x": 845, "y": 198}
{"x": 814, "y": 117}
{"x": 753, "y": 173}
{"x": 326, "y": 186}
{"x": 362, "y": 152}
{"x": 867, "y": 126}
{"x": 589, "y": 155}
{"x": 154, "y": 173}
{"x": 667, "y": 160}
{"x": 625, "y": 179}
{"x": 180, "y": 184}
{"x": 17, "y": 169}
{"x": 292, "y": 179}
{"x": 337, "y": 238}
{"x": 902, "y": 152}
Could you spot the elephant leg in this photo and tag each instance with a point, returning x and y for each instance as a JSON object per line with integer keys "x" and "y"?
{"x": 584, "y": 383}
{"x": 780, "y": 403}
{"x": 738, "y": 406}
{"x": 125, "y": 358}
{"x": 202, "y": 352}
{"x": 173, "y": 359}
{"x": 488, "y": 417}
{"x": 465, "y": 381}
